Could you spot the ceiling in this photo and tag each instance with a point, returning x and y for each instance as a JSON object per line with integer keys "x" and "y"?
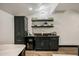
{"x": 67, "y": 6}
{"x": 23, "y": 8}
{"x": 37, "y": 8}
{"x": 18, "y": 8}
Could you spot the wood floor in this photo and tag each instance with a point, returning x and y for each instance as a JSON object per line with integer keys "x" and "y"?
{"x": 62, "y": 51}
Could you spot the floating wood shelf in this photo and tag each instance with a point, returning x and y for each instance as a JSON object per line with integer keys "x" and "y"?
{"x": 42, "y": 26}
{"x": 43, "y": 20}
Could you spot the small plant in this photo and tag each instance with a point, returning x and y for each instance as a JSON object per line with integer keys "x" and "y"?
{"x": 51, "y": 18}
{"x": 34, "y": 18}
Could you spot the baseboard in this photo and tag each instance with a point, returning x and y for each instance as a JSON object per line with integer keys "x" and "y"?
{"x": 68, "y": 45}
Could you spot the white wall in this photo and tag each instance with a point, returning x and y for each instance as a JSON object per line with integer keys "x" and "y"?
{"x": 6, "y": 28}
{"x": 67, "y": 26}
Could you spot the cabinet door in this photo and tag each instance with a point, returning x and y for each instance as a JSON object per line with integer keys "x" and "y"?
{"x": 53, "y": 43}
{"x": 41, "y": 43}
{"x": 38, "y": 43}
{"x": 19, "y": 29}
{"x": 45, "y": 43}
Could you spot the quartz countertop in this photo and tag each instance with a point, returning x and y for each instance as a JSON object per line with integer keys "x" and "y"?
{"x": 11, "y": 49}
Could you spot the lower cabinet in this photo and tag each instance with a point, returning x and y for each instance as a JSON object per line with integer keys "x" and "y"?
{"x": 38, "y": 43}
{"x": 29, "y": 43}
{"x": 46, "y": 43}
{"x": 53, "y": 44}
{"x": 42, "y": 43}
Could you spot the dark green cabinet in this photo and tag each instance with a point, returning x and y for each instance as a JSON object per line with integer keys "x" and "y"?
{"x": 43, "y": 43}
{"x": 19, "y": 29}
{"x": 54, "y": 43}
{"x": 46, "y": 43}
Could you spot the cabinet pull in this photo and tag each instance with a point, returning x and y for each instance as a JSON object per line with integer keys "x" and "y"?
{"x": 42, "y": 43}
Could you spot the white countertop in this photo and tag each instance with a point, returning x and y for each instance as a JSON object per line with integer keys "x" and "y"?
{"x": 11, "y": 49}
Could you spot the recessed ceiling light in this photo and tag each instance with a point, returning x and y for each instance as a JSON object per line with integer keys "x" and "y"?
{"x": 30, "y": 8}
